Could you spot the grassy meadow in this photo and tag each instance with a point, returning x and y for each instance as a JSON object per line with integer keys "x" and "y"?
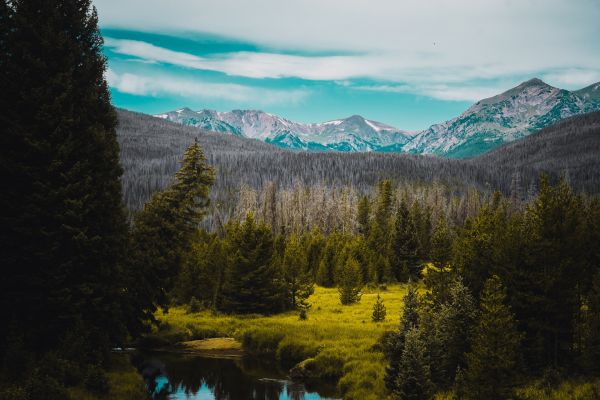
{"x": 335, "y": 342}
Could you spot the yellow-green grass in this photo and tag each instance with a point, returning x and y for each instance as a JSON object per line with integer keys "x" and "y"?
{"x": 338, "y": 341}
{"x": 572, "y": 389}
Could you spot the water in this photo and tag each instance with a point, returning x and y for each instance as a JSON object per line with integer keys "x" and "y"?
{"x": 182, "y": 377}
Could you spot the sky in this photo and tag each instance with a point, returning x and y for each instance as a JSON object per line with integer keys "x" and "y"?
{"x": 407, "y": 63}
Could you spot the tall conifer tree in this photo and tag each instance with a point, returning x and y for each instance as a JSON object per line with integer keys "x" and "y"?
{"x": 63, "y": 226}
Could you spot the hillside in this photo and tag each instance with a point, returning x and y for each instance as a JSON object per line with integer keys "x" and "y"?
{"x": 151, "y": 149}
{"x": 572, "y": 145}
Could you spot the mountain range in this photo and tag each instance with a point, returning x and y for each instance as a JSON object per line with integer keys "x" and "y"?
{"x": 511, "y": 115}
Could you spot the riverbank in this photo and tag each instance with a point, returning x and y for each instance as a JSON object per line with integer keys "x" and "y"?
{"x": 335, "y": 343}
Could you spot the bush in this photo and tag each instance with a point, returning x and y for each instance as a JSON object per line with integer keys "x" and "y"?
{"x": 41, "y": 387}
{"x": 13, "y": 393}
{"x": 96, "y": 380}
{"x": 195, "y": 305}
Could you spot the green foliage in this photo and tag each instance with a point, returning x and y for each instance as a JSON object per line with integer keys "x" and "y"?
{"x": 349, "y": 281}
{"x": 404, "y": 245}
{"x": 453, "y": 322}
{"x": 298, "y": 283}
{"x": 63, "y": 226}
{"x": 493, "y": 360}
{"x": 413, "y": 381}
{"x": 252, "y": 284}
{"x": 363, "y": 215}
{"x": 394, "y": 347}
{"x": 379, "y": 311}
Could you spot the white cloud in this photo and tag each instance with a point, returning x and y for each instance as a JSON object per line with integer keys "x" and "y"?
{"x": 481, "y": 37}
{"x": 160, "y": 85}
{"x": 440, "y": 91}
{"x": 573, "y": 78}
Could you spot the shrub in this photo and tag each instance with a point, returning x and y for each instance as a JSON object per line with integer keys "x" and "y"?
{"x": 96, "y": 381}
{"x": 195, "y": 305}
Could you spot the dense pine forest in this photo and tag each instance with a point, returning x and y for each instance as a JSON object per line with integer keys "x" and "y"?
{"x": 115, "y": 225}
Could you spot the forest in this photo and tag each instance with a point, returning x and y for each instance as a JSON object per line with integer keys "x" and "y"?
{"x": 118, "y": 230}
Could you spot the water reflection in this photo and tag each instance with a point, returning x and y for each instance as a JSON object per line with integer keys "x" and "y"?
{"x": 181, "y": 377}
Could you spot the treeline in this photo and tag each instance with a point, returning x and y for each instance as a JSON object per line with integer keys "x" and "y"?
{"x": 150, "y": 148}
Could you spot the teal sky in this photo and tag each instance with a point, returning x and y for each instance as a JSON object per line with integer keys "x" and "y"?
{"x": 309, "y": 61}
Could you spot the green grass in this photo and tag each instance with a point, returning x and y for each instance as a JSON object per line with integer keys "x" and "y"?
{"x": 124, "y": 381}
{"x": 336, "y": 341}
{"x": 568, "y": 390}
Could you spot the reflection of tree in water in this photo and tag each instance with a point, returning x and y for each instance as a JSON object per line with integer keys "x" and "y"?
{"x": 226, "y": 379}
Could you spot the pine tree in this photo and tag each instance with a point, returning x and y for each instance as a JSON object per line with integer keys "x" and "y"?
{"x": 349, "y": 281}
{"x": 326, "y": 271}
{"x": 441, "y": 244}
{"x": 404, "y": 245}
{"x": 493, "y": 360}
{"x": 163, "y": 234}
{"x": 455, "y": 321}
{"x": 395, "y": 346}
{"x": 379, "y": 310}
{"x": 63, "y": 229}
{"x": 362, "y": 215}
{"x": 298, "y": 284}
{"x": 384, "y": 204}
{"x": 252, "y": 284}
{"x": 413, "y": 381}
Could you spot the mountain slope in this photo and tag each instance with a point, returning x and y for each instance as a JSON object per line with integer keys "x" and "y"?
{"x": 354, "y": 133}
{"x": 151, "y": 150}
{"x": 570, "y": 147}
{"x": 504, "y": 118}
{"x": 487, "y": 124}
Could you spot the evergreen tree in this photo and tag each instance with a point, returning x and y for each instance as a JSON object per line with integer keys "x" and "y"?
{"x": 441, "y": 244}
{"x": 63, "y": 229}
{"x": 298, "y": 284}
{"x": 549, "y": 286}
{"x": 589, "y": 352}
{"x": 252, "y": 284}
{"x": 455, "y": 321}
{"x": 421, "y": 219}
{"x": 327, "y": 264}
{"x": 362, "y": 217}
{"x": 379, "y": 311}
{"x": 413, "y": 381}
{"x": 493, "y": 360}
{"x": 404, "y": 245}
{"x": 314, "y": 243}
{"x": 384, "y": 204}
{"x": 349, "y": 281}
{"x": 163, "y": 234}
{"x": 395, "y": 346}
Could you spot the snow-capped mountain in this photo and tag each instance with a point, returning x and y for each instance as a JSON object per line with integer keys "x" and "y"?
{"x": 354, "y": 133}
{"x": 516, "y": 113}
{"x": 511, "y": 115}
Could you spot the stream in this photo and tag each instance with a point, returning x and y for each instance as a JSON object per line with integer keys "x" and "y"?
{"x": 173, "y": 376}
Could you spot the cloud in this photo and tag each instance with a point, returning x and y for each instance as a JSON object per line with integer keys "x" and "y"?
{"x": 506, "y": 35}
{"x": 439, "y": 91}
{"x": 573, "y": 78}
{"x": 164, "y": 84}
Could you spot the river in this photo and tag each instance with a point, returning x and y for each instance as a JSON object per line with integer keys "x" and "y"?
{"x": 171, "y": 376}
